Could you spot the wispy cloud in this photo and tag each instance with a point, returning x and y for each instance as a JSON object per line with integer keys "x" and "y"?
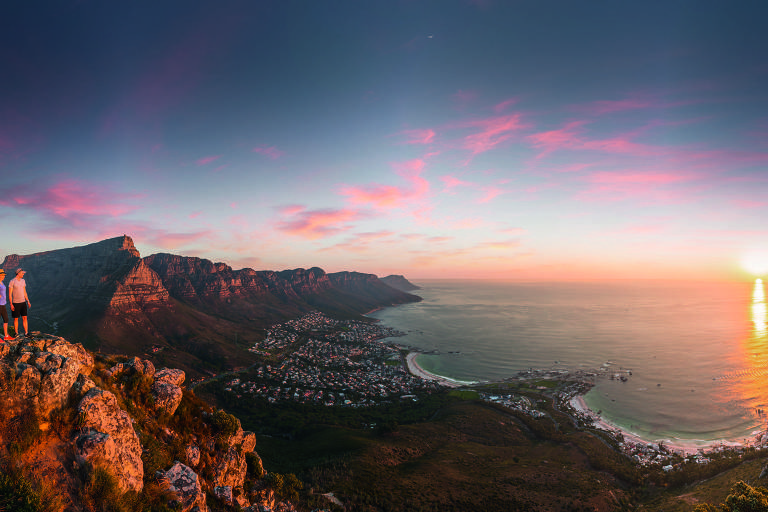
{"x": 452, "y": 182}
{"x": 72, "y": 200}
{"x": 314, "y": 224}
{"x": 504, "y": 105}
{"x": 208, "y": 159}
{"x": 388, "y": 197}
{"x": 493, "y": 131}
{"x": 419, "y": 136}
{"x": 269, "y": 151}
{"x": 490, "y": 193}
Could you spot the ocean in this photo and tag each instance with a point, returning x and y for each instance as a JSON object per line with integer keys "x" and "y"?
{"x": 698, "y": 352}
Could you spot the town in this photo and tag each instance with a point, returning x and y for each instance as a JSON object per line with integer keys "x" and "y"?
{"x": 319, "y": 360}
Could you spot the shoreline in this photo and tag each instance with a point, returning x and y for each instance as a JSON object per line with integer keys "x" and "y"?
{"x": 417, "y": 371}
{"x": 578, "y": 404}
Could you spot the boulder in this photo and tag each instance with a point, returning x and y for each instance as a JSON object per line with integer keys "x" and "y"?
{"x": 192, "y": 454}
{"x": 60, "y": 346}
{"x": 99, "y": 412}
{"x": 166, "y": 390}
{"x": 171, "y": 375}
{"x": 184, "y": 484}
{"x": 229, "y": 468}
{"x": 135, "y": 365}
{"x": 27, "y": 384}
{"x": 56, "y": 383}
{"x": 224, "y": 493}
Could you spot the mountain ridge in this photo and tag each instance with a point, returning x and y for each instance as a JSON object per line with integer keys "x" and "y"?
{"x": 185, "y": 311}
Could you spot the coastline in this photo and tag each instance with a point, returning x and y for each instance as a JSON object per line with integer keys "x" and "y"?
{"x": 416, "y": 370}
{"x": 578, "y": 404}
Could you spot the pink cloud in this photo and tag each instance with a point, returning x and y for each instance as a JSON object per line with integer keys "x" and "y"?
{"x": 171, "y": 240}
{"x": 452, "y": 182}
{"x": 610, "y": 106}
{"x": 71, "y": 199}
{"x": 270, "y": 151}
{"x": 650, "y": 186}
{"x": 493, "y": 131}
{"x": 637, "y": 178}
{"x": 569, "y": 137}
{"x": 748, "y": 204}
{"x": 388, "y": 197}
{"x": 419, "y": 136}
{"x": 573, "y": 167}
{"x": 290, "y": 209}
{"x": 314, "y": 224}
{"x": 515, "y": 231}
{"x": 501, "y": 107}
{"x": 379, "y": 196}
{"x": 499, "y": 244}
{"x": 490, "y": 194}
{"x": 208, "y": 159}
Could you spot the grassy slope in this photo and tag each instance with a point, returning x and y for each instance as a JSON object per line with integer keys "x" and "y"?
{"x": 468, "y": 457}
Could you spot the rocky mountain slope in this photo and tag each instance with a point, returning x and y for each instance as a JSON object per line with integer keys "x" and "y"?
{"x": 181, "y": 311}
{"x": 399, "y": 282}
{"x": 83, "y": 429}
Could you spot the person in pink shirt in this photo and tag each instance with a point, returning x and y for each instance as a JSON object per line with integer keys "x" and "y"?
{"x": 17, "y": 291}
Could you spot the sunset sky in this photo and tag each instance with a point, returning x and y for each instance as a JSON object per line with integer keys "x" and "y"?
{"x": 496, "y": 139}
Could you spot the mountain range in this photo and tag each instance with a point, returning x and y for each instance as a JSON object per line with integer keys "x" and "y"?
{"x": 187, "y": 312}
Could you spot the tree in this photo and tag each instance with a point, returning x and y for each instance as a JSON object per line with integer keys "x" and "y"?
{"x": 743, "y": 498}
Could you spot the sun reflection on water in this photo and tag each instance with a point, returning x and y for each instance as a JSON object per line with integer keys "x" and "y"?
{"x": 759, "y": 313}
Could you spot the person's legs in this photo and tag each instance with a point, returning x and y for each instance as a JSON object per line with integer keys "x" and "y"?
{"x": 26, "y": 327}
{"x": 4, "y": 314}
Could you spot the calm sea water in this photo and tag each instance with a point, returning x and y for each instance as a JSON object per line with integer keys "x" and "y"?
{"x": 698, "y": 351}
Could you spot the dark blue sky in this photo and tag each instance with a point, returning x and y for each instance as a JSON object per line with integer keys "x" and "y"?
{"x": 417, "y": 137}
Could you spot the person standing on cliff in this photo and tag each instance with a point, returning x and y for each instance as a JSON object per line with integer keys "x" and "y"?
{"x": 3, "y": 308}
{"x": 17, "y": 291}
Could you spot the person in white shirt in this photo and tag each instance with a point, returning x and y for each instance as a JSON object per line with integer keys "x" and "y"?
{"x": 17, "y": 291}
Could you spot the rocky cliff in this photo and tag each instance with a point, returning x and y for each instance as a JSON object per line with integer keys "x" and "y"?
{"x": 80, "y": 425}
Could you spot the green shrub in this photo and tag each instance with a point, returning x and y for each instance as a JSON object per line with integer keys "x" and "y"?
{"x": 254, "y": 465}
{"x": 224, "y": 424}
{"x": 743, "y": 498}
{"x": 16, "y": 493}
{"x": 286, "y": 487}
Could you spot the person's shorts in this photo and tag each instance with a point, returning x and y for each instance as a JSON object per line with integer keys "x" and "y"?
{"x": 19, "y": 309}
{"x": 4, "y": 313}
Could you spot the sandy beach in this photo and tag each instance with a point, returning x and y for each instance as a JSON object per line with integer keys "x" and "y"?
{"x": 676, "y": 445}
{"x": 418, "y": 371}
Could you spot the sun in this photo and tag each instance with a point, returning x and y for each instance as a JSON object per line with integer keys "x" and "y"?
{"x": 755, "y": 262}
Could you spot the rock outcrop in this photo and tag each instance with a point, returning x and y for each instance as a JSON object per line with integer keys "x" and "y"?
{"x": 185, "y": 486}
{"x": 41, "y": 370}
{"x": 167, "y": 390}
{"x": 108, "y": 438}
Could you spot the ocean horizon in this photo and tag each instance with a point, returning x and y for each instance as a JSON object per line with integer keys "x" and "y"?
{"x": 696, "y": 350}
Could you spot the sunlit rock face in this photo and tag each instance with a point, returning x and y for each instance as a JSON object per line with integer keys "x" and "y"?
{"x": 166, "y": 390}
{"x": 109, "y": 439}
{"x": 185, "y": 486}
{"x": 43, "y": 369}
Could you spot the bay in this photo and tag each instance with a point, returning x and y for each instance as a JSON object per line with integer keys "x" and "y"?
{"x": 697, "y": 350}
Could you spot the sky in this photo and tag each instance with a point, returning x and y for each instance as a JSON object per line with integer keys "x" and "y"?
{"x": 493, "y": 139}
